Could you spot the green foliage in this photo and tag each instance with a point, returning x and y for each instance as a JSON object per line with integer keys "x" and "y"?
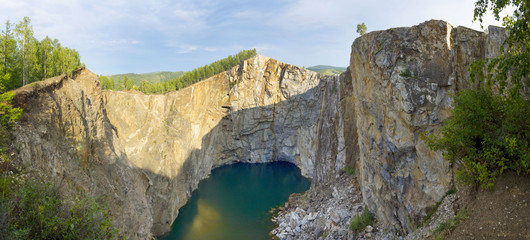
{"x": 407, "y": 73}
{"x": 361, "y": 221}
{"x": 152, "y": 77}
{"x": 349, "y": 170}
{"x": 37, "y": 211}
{"x": 34, "y": 210}
{"x": 126, "y": 83}
{"x": 511, "y": 69}
{"x": 24, "y": 59}
{"x": 488, "y": 134}
{"x": 361, "y": 28}
{"x": 8, "y": 116}
{"x": 184, "y": 79}
{"x": 327, "y": 70}
{"x": 107, "y": 83}
{"x": 490, "y": 129}
{"x": 214, "y": 68}
{"x": 232, "y": 84}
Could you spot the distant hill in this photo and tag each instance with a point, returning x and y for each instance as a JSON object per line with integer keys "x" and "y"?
{"x": 327, "y": 70}
{"x": 152, "y": 77}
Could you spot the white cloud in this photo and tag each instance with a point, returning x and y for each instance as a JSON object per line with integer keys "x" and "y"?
{"x": 300, "y": 31}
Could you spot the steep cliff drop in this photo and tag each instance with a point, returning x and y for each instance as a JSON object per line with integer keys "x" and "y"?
{"x": 145, "y": 154}
{"x": 402, "y": 80}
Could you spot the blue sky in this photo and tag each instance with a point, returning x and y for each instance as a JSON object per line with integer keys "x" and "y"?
{"x": 119, "y": 36}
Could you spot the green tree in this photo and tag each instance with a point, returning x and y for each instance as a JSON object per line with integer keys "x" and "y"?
{"x": 45, "y": 53}
{"x": 24, "y": 59}
{"x": 489, "y": 132}
{"x": 361, "y": 28}
{"x": 512, "y": 67}
{"x": 187, "y": 78}
{"x": 145, "y": 87}
{"x": 8, "y": 46}
{"x": 107, "y": 83}
{"x": 27, "y": 44}
{"x": 127, "y": 83}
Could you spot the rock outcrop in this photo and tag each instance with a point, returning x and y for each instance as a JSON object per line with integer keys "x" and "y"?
{"x": 402, "y": 80}
{"x": 65, "y": 137}
{"x": 145, "y": 154}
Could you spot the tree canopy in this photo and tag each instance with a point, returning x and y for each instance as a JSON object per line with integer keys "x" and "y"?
{"x": 24, "y": 59}
{"x": 489, "y": 132}
{"x": 511, "y": 69}
{"x": 361, "y": 28}
{"x": 182, "y": 81}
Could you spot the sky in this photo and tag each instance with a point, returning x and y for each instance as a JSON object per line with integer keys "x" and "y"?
{"x": 139, "y": 36}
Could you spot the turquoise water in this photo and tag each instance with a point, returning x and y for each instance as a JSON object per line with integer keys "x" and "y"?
{"x": 233, "y": 203}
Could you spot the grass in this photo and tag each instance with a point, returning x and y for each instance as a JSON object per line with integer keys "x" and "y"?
{"x": 361, "y": 221}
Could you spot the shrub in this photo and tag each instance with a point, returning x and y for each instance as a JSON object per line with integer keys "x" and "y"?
{"x": 488, "y": 134}
{"x": 349, "y": 170}
{"x": 361, "y": 221}
{"x": 37, "y": 211}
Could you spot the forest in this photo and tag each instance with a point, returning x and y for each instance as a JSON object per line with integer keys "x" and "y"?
{"x": 182, "y": 81}
{"x": 24, "y": 59}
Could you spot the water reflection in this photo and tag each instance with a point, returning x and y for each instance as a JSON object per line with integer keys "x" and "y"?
{"x": 206, "y": 223}
{"x": 233, "y": 202}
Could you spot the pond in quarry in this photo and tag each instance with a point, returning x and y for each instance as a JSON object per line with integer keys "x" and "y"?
{"x": 234, "y": 202}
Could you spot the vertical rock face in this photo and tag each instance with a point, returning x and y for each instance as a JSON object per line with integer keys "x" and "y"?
{"x": 145, "y": 154}
{"x": 402, "y": 79}
{"x": 65, "y": 137}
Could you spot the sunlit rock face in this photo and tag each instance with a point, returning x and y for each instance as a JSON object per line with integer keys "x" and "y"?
{"x": 146, "y": 153}
{"x": 65, "y": 137}
{"x": 402, "y": 82}
{"x": 270, "y": 112}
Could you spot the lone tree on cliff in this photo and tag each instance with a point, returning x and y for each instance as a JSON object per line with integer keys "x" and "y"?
{"x": 361, "y": 28}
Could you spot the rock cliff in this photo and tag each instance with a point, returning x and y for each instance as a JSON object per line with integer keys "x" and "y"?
{"x": 145, "y": 154}
{"x": 402, "y": 82}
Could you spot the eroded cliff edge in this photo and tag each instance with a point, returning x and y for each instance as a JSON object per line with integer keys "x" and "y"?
{"x": 145, "y": 154}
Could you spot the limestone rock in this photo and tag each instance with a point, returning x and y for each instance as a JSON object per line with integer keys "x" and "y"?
{"x": 145, "y": 154}
{"x": 402, "y": 80}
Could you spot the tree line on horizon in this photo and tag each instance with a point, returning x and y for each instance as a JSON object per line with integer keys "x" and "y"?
{"x": 186, "y": 79}
{"x": 24, "y": 59}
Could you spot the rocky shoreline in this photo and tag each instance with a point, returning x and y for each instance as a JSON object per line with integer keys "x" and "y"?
{"x": 325, "y": 212}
